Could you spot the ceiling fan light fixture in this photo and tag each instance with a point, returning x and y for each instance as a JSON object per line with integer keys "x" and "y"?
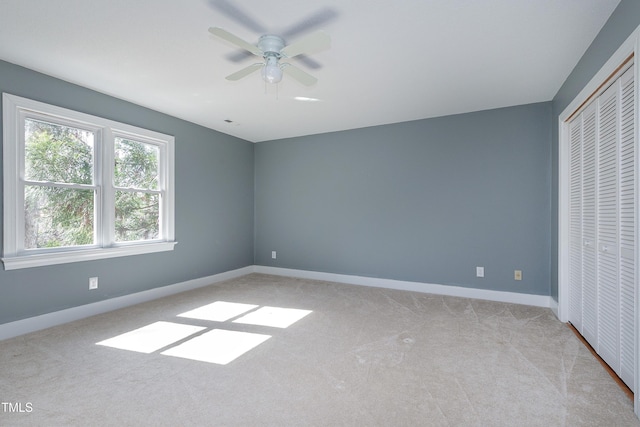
{"x": 271, "y": 73}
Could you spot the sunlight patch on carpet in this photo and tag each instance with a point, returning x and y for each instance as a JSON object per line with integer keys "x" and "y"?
{"x": 217, "y": 346}
{"x": 219, "y": 311}
{"x": 152, "y": 337}
{"x": 275, "y": 317}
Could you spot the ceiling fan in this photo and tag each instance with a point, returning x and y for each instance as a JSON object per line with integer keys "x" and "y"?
{"x": 272, "y": 48}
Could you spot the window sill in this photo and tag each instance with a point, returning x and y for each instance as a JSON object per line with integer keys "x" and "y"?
{"x": 53, "y": 258}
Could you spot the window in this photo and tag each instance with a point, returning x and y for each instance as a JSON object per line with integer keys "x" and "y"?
{"x": 79, "y": 187}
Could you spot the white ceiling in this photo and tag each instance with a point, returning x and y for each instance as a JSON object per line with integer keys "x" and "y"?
{"x": 390, "y": 61}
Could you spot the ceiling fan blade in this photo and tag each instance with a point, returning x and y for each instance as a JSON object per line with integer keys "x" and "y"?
{"x": 301, "y": 76}
{"x": 313, "y": 21}
{"x": 226, "y": 35}
{"x": 245, "y": 72}
{"x": 235, "y": 13}
{"x": 312, "y": 43}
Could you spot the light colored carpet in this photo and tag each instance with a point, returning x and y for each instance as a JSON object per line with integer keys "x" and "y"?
{"x": 362, "y": 357}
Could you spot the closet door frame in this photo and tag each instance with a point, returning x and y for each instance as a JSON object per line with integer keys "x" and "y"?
{"x": 628, "y": 49}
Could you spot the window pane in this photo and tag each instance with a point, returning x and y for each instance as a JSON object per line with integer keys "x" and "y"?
{"x": 136, "y": 164}
{"x": 137, "y": 216}
{"x": 58, "y": 153}
{"x": 56, "y": 217}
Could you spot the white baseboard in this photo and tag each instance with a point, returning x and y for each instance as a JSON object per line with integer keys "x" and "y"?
{"x": 457, "y": 291}
{"x": 32, "y": 324}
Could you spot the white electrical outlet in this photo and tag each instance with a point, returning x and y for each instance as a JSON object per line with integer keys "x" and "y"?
{"x": 93, "y": 283}
{"x": 273, "y": 254}
{"x": 517, "y": 275}
{"x": 479, "y": 271}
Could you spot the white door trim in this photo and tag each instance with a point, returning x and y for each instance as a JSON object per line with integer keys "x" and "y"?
{"x": 629, "y": 47}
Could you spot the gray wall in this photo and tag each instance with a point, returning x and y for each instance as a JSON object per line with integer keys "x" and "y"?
{"x": 623, "y": 21}
{"x": 214, "y": 209}
{"x": 423, "y": 201}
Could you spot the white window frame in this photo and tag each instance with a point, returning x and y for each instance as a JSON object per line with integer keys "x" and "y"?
{"x": 15, "y": 256}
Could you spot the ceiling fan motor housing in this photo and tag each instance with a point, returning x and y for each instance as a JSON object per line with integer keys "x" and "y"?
{"x": 271, "y": 45}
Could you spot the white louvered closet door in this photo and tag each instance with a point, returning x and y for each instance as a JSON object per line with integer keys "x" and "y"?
{"x": 628, "y": 232}
{"x": 583, "y": 287}
{"x": 575, "y": 231}
{"x": 602, "y": 271}
{"x": 607, "y": 229}
{"x": 589, "y": 219}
